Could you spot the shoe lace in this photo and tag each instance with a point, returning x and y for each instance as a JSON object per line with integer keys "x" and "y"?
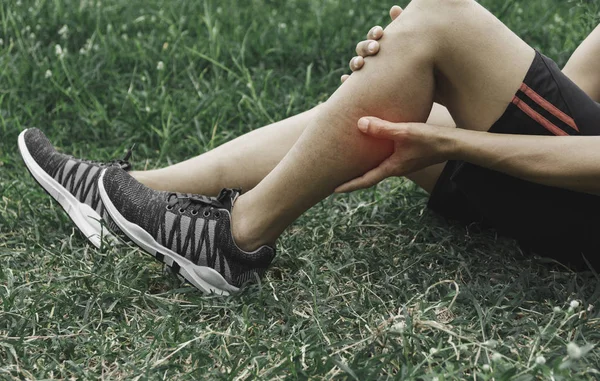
{"x": 195, "y": 202}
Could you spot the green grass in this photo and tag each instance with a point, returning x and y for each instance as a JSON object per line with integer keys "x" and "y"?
{"x": 366, "y": 286}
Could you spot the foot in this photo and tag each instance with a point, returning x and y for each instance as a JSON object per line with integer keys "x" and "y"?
{"x": 189, "y": 233}
{"x": 71, "y": 182}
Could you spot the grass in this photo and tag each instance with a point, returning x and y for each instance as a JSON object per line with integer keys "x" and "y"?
{"x": 366, "y": 286}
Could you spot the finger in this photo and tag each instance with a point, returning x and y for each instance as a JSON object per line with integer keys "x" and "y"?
{"x": 367, "y": 48}
{"x": 345, "y": 77}
{"x": 367, "y": 180}
{"x": 356, "y": 63}
{"x": 381, "y": 129}
{"x": 375, "y": 33}
{"x": 395, "y": 11}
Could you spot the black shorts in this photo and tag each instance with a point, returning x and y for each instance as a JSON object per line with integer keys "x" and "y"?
{"x": 548, "y": 221}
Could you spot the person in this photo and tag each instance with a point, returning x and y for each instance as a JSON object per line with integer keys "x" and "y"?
{"x": 524, "y": 159}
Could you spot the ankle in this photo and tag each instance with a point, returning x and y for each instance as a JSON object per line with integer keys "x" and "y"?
{"x": 245, "y": 229}
{"x": 152, "y": 179}
{"x": 143, "y": 177}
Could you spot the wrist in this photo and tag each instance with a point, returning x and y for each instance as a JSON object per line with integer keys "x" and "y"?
{"x": 454, "y": 143}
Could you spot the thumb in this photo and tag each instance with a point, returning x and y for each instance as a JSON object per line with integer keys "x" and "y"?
{"x": 378, "y": 128}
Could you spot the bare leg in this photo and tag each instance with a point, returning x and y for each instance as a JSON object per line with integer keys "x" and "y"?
{"x": 582, "y": 67}
{"x": 240, "y": 163}
{"x": 454, "y": 51}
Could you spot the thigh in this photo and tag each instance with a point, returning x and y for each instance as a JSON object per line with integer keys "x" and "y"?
{"x": 479, "y": 63}
{"x": 582, "y": 67}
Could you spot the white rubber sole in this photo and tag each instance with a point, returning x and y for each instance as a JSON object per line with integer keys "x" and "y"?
{"x": 204, "y": 278}
{"x": 85, "y": 218}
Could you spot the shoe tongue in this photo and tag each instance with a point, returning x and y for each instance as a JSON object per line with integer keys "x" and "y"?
{"x": 228, "y": 196}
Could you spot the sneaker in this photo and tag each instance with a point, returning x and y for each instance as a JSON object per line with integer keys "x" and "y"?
{"x": 190, "y": 233}
{"x": 71, "y": 182}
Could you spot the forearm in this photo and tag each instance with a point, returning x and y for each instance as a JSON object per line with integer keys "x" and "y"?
{"x": 570, "y": 162}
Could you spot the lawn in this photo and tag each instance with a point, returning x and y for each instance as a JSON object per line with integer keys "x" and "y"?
{"x": 366, "y": 286}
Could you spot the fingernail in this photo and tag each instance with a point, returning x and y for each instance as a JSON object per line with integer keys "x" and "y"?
{"x": 372, "y": 46}
{"x": 363, "y": 124}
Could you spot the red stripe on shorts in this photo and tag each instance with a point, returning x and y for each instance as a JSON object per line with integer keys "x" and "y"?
{"x": 538, "y": 118}
{"x": 548, "y": 106}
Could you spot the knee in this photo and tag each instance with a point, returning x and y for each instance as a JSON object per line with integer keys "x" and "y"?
{"x": 430, "y": 18}
{"x": 427, "y": 26}
{"x": 442, "y": 7}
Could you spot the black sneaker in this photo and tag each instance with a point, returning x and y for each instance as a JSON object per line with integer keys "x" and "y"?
{"x": 189, "y": 233}
{"x": 72, "y": 182}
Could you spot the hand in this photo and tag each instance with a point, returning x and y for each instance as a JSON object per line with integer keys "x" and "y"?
{"x": 370, "y": 46}
{"x": 416, "y": 146}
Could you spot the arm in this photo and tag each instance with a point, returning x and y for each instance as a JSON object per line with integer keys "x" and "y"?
{"x": 583, "y": 67}
{"x": 569, "y": 162}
